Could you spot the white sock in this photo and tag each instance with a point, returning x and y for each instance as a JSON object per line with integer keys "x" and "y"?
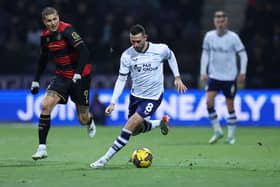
{"x": 155, "y": 123}
{"x": 42, "y": 146}
{"x": 110, "y": 153}
{"x": 118, "y": 144}
{"x": 92, "y": 122}
{"x": 216, "y": 126}
{"x": 231, "y": 130}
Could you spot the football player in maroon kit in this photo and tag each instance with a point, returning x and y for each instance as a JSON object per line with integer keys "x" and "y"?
{"x": 73, "y": 75}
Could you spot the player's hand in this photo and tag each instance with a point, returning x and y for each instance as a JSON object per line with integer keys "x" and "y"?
{"x": 34, "y": 87}
{"x": 109, "y": 109}
{"x": 76, "y": 77}
{"x": 241, "y": 77}
{"x": 180, "y": 86}
{"x": 204, "y": 77}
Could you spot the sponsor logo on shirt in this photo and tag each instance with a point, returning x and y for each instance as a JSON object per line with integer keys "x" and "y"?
{"x": 144, "y": 67}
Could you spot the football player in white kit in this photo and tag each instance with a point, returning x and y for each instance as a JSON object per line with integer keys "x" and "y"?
{"x": 144, "y": 62}
{"x": 219, "y": 69}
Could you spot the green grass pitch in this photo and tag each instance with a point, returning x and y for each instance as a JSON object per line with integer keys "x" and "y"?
{"x": 183, "y": 158}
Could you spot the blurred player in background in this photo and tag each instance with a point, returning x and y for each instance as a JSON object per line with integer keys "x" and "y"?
{"x": 144, "y": 62}
{"x": 73, "y": 75}
{"x": 219, "y": 69}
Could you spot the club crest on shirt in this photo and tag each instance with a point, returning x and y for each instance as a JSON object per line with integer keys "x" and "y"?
{"x": 137, "y": 67}
{"x": 134, "y": 58}
{"x": 75, "y": 36}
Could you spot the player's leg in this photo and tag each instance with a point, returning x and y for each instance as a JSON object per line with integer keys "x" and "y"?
{"x": 230, "y": 92}
{"x": 80, "y": 95}
{"x": 231, "y": 121}
{"x": 132, "y": 124}
{"x": 86, "y": 119}
{"x": 218, "y": 132}
{"x": 146, "y": 108}
{"x": 57, "y": 93}
{"x": 148, "y": 125}
{"x": 49, "y": 102}
{"x": 213, "y": 87}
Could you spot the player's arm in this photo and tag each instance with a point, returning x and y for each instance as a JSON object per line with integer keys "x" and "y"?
{"x": 243, "y": 65}
{"x": 118, "y": 88}
{"x": 204, "y": 64}
{"x": 120, "y": 83}
{"x": 42, "y": 62}
{"x": 172, "y": 62}
{"x": 77, "y": 42}
{"x": 204, "y": 60}
{"x": 240, "y": 49}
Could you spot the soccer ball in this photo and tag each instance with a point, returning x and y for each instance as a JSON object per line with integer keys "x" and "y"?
{"x": 142, "y": 158}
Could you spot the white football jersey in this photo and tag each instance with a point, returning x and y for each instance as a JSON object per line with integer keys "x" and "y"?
{"x": 222, "y": 51}
{"x": 146, "y": 69}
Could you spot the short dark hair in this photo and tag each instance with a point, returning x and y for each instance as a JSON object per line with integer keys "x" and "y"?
{"x": 136, "y": 29}
{"x": 47, "y": 11}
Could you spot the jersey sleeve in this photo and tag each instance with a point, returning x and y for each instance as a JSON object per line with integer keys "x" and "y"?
{"x": 240, "y": 49}
{"x": 204, "y": 55}
{"x": 121, "y": 81}
{"x": 72, "y": 36}
{"x": 205, "y": 44}
{"x": 76, "y": 41}
{"x": 166, "y": 52}
{"x": 124, "y": 65}
{"x": 43, "y": 46}
{"x": 169, "y": 55}
{"x": 238, "y": 45}
{"x": 43, "y": 59}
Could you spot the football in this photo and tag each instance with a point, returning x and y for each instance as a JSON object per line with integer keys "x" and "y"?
{"x": 142, "y": 158}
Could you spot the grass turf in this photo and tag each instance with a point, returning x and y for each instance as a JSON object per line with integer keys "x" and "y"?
{"x": 183, "y": 158}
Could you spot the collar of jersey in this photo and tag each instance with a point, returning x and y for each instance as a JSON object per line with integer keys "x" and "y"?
{"x": 145, "y": 49}
{"x": 222, "y": 34}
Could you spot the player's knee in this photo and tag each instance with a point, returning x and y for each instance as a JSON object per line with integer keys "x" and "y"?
{"x": 46, "y": 109}
{"x": 209, "y": 103}
{"x": 83, "y": 119}
{"x": 137, "y": 130}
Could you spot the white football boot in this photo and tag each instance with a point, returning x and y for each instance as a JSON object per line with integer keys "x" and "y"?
{"x": 91, "y": 129}
{"x": 41, "y": 152}
{"x": 100, "y": 163}
{"x": 217, "y": 135}
{"x": 230, "y": 140}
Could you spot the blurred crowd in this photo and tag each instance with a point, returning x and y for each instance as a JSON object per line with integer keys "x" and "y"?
{"x": 104, "y": 25}
{"x": 261, "y": 36}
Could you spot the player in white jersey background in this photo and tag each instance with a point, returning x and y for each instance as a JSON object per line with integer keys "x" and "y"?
{"x": 219, "y": 68}
{"x": 143, "y": 61}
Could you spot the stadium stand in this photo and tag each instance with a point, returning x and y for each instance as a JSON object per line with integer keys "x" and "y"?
{"x": 104, "y": 25}
{"x": 261, "y": 36}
